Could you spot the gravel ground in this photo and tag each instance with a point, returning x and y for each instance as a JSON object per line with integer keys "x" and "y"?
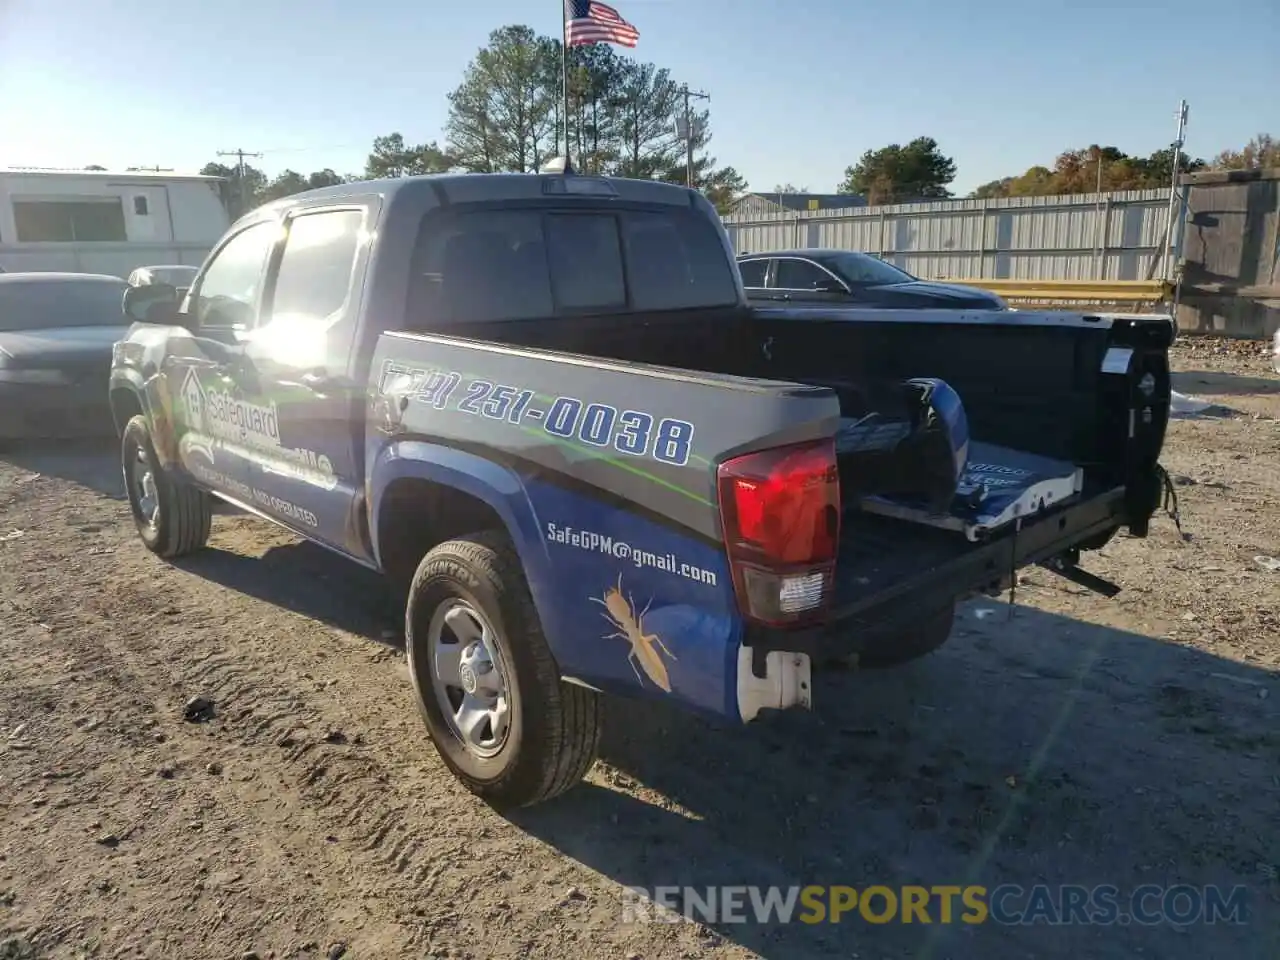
{"x": 1068, "y": 739}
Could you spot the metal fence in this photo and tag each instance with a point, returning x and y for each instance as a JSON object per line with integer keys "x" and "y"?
{"x": 1110, "y": 236}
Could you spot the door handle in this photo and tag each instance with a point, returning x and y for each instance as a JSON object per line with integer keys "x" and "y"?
{"x": 244, "y": 372}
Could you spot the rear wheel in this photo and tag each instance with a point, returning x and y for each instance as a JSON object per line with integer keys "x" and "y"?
{"x": 172, "y": 516}
{"x": 487, "y": 686}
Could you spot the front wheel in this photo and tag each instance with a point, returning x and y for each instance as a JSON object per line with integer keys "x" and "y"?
{"x": 487, "y": 686}
{"x": 172, "y": 517}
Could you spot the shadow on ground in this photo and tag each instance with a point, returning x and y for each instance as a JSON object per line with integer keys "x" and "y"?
{"x": 309, "y": 580}
{"x": 1031, "y": 750}
{"x": 92, "y": 463}
{"x": 1043, "y": 750}
{"x": 1216, "y": 384}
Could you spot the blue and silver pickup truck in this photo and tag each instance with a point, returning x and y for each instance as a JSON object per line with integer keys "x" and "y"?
{"x": 541, "y": 405}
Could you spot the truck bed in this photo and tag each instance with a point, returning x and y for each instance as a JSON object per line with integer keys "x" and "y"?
{"x": 1029, "y": 381}
{"x": 1034, "y": 390}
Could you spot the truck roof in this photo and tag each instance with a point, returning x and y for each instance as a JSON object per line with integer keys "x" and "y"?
{"x": 482, "y": 187}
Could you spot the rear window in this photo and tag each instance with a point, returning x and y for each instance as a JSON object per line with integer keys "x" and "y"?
{"x": 45, "y": 305}
{"x": 491, "y": 265}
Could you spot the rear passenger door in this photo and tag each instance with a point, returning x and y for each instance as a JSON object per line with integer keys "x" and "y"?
{"x": 307, "y": 472}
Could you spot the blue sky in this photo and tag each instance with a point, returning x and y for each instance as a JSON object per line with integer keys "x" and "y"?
{"x": 799, "y": 90}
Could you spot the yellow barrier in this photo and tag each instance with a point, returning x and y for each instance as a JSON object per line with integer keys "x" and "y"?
{"x": 1081, "y": 291}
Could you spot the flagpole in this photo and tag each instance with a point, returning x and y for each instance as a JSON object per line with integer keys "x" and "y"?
{"x": 564, "y": 76}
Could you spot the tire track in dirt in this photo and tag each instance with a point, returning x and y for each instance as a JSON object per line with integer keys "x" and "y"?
{"x": 274, "y": 723}
{"x": 257, "y": 710}
{"x": 261, "y": 713}
{"x": 254, "y": 769}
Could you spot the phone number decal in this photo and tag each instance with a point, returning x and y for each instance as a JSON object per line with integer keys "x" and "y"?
{"x": 631, "y": 432}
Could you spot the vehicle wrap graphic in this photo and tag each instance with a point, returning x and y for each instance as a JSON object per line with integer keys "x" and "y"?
{"x": 641, "y": 627}
{"x": 648, "y": 436}
{"x": 254, "y": 496}
{"x": 634, "y": 433}
{"x": 619, "y": 549}
{"x": 617, "y": 482}
{"x": 647, "y": 649}
{"x": 228, "y": 417}
{"x": 220, "y": 424}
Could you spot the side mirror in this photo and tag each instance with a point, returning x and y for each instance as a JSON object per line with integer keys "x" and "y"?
{"x": 154, "y": 303}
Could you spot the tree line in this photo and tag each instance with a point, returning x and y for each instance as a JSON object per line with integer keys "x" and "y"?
{"x": 622, "y": 144}
{"x": 919, "y": 170}
{"x": 1092, "y": 168}
{"x": 507, "y": 115}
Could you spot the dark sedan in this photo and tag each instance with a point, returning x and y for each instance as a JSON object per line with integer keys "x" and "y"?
{"x": 56, "y": 336}
{"x": 855, "y": 279}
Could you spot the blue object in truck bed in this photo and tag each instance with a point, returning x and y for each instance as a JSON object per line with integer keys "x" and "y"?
{"x": 998, "y": 486}
{"x": 911, "y": 446}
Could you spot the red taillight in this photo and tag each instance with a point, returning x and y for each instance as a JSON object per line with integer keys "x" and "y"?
{"x": 781, "y": 514}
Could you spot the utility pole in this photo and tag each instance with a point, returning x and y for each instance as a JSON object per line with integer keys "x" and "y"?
{"x": 244, "y": 191}
{"x": 1165, "y": 258}
{"x": 1099, "y": 219}
{"x": 1174, "y": 193}
{"x": 688, "y": 130}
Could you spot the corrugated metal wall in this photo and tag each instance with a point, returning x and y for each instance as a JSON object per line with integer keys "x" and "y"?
{"x": 1112, "y": 236}
{"x": 1231, "y": 276}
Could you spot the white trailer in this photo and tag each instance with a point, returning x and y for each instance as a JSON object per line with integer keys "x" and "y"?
{"x": 90, "y": 221}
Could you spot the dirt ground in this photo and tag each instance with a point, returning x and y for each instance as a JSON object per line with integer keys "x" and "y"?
{"x": 1070, "y": 739}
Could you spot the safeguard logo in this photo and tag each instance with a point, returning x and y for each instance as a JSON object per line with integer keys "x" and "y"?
{"x": 193, "y": 399}
{"x": 218, "y": 413}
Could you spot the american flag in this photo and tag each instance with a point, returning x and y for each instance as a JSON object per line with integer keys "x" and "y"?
{"x": 586, "y": 21}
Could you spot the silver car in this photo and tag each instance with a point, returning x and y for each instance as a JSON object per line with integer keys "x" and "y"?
{"x": 56, "y": 336}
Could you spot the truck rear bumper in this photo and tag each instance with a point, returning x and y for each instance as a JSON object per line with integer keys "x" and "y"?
{"x": 867, "y": 608}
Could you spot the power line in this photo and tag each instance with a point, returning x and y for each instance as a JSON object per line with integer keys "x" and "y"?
{"x": 239, "y": 155}
{"x": 331, "y": 146}
{"x": 244, "y": 190}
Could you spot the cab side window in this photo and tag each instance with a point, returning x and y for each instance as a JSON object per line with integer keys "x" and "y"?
{"x": 314, "y": 279}
{"x": 228, "y": 290}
